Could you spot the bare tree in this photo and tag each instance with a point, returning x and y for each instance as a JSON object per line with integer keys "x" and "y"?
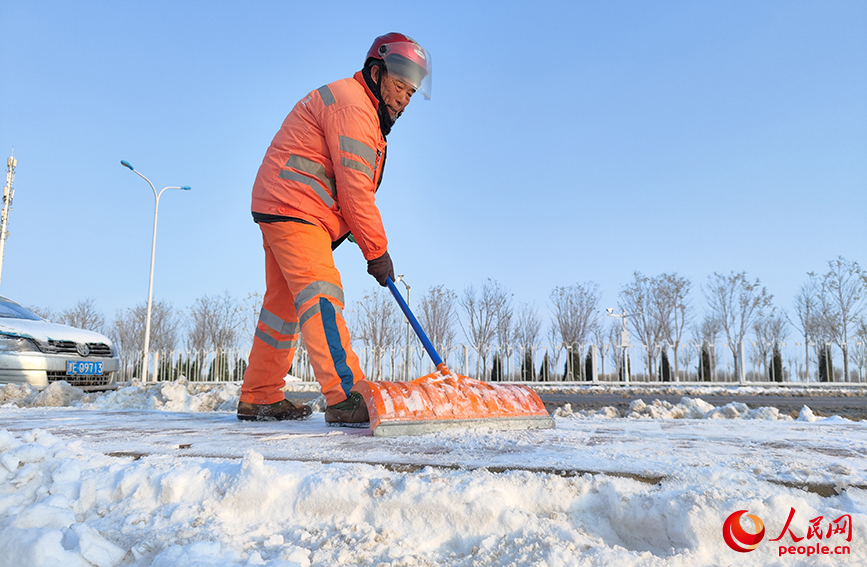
{"x": 505, "y": 328}
{"x": 770, "y": 331}
{"x": 482, "y": 317}
{"x": 127, "y": 329}
{"x": 215, "y": 323}
{"x": 826, "y": 327}
{"x": 807, "y": 308}
{"x": 736, "y": 302}
{"x": 576, "y": 315}
{"x": 251, "y": 309}
{"x": 671, "y": 293}
{"x": 706, "y": 335}
{"x": 437, "y": 314}
{"x": 45, "y": 312}
{"x": 708, "y": 331}
{"x": 379, "y": 323}
{"x": 640, "y": 300}
{"x": 576, "y": 311}
{"x": 844, "y": 289}
{"x": 84, "y": 315}
{"x": 528, "y": 325}
{"x": 505, "y": 331}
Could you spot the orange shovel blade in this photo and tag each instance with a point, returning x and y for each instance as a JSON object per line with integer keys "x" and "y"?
{"x": 435, "y": 402}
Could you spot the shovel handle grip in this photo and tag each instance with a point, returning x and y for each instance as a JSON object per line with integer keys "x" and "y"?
{"x": 428, "y": 346}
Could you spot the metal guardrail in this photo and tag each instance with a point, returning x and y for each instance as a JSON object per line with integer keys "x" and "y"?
{"x": 606, "y": 363}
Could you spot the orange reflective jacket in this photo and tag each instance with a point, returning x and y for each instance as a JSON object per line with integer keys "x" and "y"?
{"x": 324, "y": 165}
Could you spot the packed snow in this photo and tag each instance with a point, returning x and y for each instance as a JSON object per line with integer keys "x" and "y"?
{"x": 165, "y": 475}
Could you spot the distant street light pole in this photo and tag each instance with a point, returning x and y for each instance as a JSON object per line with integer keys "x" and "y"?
{"x": 624, "y": 342}
{"x": 408, "y": 328}
{"x": 147, "y": 337}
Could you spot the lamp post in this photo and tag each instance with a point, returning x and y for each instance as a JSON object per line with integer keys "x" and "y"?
{"x": 408, "y": 328}
{"x": 147, "y": 337}
{"x": 624, "y": 342}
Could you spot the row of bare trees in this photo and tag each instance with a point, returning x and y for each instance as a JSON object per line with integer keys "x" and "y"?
{"x": 829, "y": 309}
{"x": 212, "y": 323}
{"x": 656, "y": 311}
{"x": 658, "y": 314}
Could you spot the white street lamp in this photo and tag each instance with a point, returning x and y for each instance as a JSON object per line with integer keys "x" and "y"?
{"x": 624, "y": 341}
{"x": 147, "y": 337}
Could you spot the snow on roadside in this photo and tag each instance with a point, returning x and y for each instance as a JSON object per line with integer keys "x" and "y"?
{"x": 61, "y": 504}
{"x": 790, "y": 389}
{"x": 167, "y": 396}
{"x": 692, "y": 408}
{"x": 203, "y": 397}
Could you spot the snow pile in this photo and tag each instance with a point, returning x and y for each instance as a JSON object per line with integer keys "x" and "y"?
{"x": 19, "y": 395}
{"x": 166, "y": 396}
{"x": 41, "y": 497}
{"x": 791, "y": 389}
{"x": 566, "y": 411}
{"x": 61, "y": 504}
{"x": 688, "y": 408}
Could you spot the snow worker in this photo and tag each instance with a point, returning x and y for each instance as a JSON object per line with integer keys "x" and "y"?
{"x": 315, "y": 188}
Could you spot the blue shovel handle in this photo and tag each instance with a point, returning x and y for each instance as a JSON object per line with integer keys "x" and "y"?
{"x": 428, "y": 346}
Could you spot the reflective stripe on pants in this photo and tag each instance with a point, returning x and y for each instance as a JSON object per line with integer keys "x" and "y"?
{"x": 303, "y": 293}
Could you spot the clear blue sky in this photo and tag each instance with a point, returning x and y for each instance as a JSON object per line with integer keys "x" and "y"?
{"x": 565, "y": 142}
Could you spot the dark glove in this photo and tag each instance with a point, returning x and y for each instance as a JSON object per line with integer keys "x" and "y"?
{"x": 380, "y": 268}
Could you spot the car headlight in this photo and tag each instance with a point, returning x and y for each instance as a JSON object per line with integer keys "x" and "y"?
{"x": 16, "y": 344}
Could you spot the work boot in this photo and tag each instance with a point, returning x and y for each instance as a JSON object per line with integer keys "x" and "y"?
{"x": 278, "y": 411}
{"x": 351, "y": 411}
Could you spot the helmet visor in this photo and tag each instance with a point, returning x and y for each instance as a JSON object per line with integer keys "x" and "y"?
{"x": 409, "y": 63}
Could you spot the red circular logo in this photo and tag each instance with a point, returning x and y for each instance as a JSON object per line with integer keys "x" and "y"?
{"x": 739, "y": 539}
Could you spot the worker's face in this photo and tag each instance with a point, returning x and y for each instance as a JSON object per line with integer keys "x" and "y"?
{"x": 396, "y": 94}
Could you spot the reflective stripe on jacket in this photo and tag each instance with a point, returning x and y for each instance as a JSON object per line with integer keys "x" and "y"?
{"x": 325, "y": 163}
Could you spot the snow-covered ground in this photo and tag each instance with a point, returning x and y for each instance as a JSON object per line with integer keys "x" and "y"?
{"x": 164, "y": 475}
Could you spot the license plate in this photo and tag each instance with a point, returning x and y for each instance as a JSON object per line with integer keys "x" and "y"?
{"x": 83, "y": 368}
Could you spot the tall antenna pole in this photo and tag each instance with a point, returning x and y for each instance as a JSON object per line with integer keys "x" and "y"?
{"x": 8, "y": 193}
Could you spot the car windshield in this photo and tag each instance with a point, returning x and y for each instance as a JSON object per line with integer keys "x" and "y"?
{"x": 11, "y": 310}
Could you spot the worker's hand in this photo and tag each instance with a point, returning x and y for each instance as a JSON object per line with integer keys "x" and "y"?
{"x": 380, "y": 268}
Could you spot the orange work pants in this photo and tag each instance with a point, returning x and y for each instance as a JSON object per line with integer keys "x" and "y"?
{"x": 303, "y": 294}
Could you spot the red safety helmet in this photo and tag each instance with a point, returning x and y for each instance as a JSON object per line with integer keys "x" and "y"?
{"x": 404, "y": 58}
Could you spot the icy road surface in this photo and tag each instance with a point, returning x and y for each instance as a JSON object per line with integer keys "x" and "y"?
{"x": 799, "y": 453}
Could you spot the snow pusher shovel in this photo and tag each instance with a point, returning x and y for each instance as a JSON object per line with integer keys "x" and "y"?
{"x": 443, "y": 400}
